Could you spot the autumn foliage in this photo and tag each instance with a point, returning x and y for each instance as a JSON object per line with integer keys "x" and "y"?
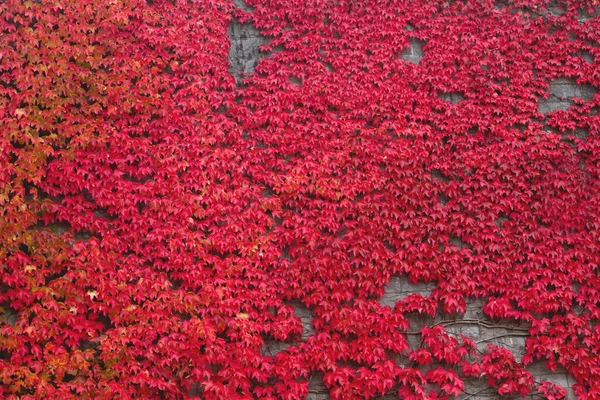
{"x": 156, "y": 220}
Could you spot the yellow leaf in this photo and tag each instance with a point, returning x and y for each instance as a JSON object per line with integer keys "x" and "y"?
{"x": 29, "y": 268}
{"x": 92, "y": 293}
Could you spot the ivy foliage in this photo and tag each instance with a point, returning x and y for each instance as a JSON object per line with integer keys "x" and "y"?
{"x": 156, "y": 220}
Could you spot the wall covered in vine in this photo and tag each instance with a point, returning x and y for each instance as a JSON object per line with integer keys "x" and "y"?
{"x": 388, "y": 184}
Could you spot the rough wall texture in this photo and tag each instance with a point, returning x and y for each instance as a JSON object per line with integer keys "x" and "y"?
{"x": 563, "y": 93}
{"x": 473, "y": 324}
{"x": 244, "y": 53}
{"x": 477, "y": 326}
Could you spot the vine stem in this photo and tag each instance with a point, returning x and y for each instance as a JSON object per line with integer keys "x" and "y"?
{"x": 470, "y": 395}
{"x": 514, "y": 334}
{"x": 480, "y": 323}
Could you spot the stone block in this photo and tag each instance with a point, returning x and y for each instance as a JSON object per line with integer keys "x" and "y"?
{"x": 587, "y": 56}
{"x": 568, "y": 88}
{"x": 9, "y": 315}
{"x": 244, "y": 53}
{"x": 452, "y": 97}
{"x": 559, "y": 377}
{"x": 399, "y": 287}
{"x": 59, "y": 228}
{"x": 317, "y": 396}
{"x": 555, "y": 9}
{"x": 416, "y": 323}
{"x": 584, "y": 14}
{"x": 470, "y": 331}
{"x": 242, "y": 5}
{"x": 474, "y": 309}
{"x": 562, "y": 91}
{"x": 294, "y": 80}
{"x": 306, "y": 316}
{"x": 272, "y": 347}
{"x": 414, "y": 53}
{"x": 316, "y": 388}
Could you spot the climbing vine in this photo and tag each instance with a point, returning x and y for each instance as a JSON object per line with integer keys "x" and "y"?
{"x": 157, "y": 221}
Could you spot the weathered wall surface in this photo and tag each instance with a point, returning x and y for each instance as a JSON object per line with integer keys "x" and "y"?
{"x": 473, "y": 324}
{"x": 244, "y": 51}
{"x": 477, "y": 326}
{"x": 562, "y": 93}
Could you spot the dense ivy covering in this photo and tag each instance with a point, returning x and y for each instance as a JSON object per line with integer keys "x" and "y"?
{"x": 194, "y": 211}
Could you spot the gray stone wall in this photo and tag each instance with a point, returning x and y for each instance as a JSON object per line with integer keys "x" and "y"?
{"x": 478, "y": 327}
{"x": 473, "y": 324}
{"x": 562, "y": 92}
{"x": 245, "y": 40}
{"x": 244, "y": 52}
{"x": 414, "y": 53}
